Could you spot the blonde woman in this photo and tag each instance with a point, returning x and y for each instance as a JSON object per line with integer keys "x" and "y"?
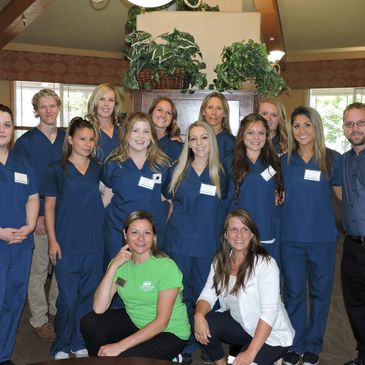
{"x": 197, "y": 189}
{"x": 103, "y": 110}
{"x": 134, "y": 174}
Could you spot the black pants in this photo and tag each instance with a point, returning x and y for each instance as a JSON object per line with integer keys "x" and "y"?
{"x": 115, "y": 324}
{"x": 223, "y": 328}
{"x": 353, "y": 287}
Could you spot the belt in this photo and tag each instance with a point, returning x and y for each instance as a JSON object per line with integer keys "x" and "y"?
{"x": 358, "y": 239}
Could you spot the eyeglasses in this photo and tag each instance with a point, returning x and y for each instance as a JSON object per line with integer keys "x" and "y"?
{"x": 359, "y": 123}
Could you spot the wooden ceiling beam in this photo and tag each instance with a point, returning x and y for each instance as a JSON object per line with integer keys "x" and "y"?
{"x": 270, "y": 24}
{"x": 17, "y": 15}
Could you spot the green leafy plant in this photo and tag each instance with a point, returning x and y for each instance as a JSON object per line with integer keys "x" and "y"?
{"x": 242, "y": 61}
{"x": 166, "y": 52}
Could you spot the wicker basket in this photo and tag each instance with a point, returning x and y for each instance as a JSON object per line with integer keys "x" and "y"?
{"x": 248, "y": 84}
{"x": 175, "y": 81}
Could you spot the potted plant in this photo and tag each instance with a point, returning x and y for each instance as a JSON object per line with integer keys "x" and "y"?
{"x": 152, "y": 60}
{"x": 243, "y": 62}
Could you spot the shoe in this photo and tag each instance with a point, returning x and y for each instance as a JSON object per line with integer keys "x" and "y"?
{"x": 234, "y": 350}
{"x": 45, "y": 331}
{"x": 81, "y": 353}
{"x": 61, "y": 355}
{"x": 310, "y": 358}
{"x": 187, "y": 358}
{"x": 291, "y": 358}
{"x": 355, "y": 361}
{"x": 7, "y": 362}
{"x": 177, "y": 359}
{"x": 205, "y": 358}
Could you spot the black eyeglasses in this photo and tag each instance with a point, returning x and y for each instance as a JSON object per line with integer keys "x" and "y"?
{"x": 359, "y": 123}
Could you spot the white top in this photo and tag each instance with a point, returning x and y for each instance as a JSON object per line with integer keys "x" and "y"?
{"x": 259, "y": 300}
{"x": 232, "y": 301}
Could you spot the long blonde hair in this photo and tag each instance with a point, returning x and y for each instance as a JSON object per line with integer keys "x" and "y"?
{"x": 155, "y": 156}
{"x": 187, "y": 157}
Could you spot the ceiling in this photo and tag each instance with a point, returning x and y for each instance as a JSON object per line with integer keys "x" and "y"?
{"x": 311, "y": 29}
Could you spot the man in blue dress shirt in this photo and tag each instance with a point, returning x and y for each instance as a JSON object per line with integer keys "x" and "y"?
{"x": 353, "y": 261}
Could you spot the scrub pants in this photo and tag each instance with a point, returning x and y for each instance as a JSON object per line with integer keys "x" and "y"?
{"x": 311, "y": 263}
{"x": 78, "y": 276}
{"x": 353, "y": 287}
{"x": 38, "y": 275}
{"x": 223, "y": 328}
{"x": 14, "y": 276}
{"x": 195, "y": 272}
{"x": 115, "y": 324}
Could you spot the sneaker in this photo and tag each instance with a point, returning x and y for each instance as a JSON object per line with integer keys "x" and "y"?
{"x": 291, "y": 358}
{"x": 355, "y": 361}
{"x": 81, "y": 353}
{"x": 310, "y": 358}
{"x": 60, "y": 355}
{"x": 187, "y": 358}
{"x": 205, "y": 358}
{"x": 177, "y": 359}
{"x": 45, "y": 331}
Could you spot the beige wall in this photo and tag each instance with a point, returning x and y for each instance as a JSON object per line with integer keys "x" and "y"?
{"x": 293, "y": 99}
{"x": 5, "y": 92}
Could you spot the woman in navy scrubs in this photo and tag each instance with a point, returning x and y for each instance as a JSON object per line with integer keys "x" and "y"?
{"x": 74, "y": 215}
{"x": 134, "y": 174}
{"x": 311, "y": 172}
{"x": 103, "y": 111}
{"x": 19, "y": 205}
{"x": 274, "y": 112}
{"x": 256, "y": 179}
{"x": 215, "y": 111}
{"x": 164, "y": 117}
{"x": 196, "y": 188}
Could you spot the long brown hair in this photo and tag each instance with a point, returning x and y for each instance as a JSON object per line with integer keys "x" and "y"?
{"x": 240, "y": 162}
{"x": 222, "y": 261}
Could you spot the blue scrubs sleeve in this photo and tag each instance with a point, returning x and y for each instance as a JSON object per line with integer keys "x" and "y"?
{"x": 49, "y": 187}
{"x": 166, "y": 185}
{"x": 107, "y": 174}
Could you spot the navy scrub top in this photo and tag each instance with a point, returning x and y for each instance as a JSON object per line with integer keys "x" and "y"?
{"x": 40, "y": 152}
{"x": 307, "y": 214}
{"x": 257, "y": 196}
{"x": 107, "y": 144}
{"x": 194, "y": 226}
{"x": 17, "y": 183}
{"x": 79, "y": 209}
{"x": 124, "y": 180}
{"x": 225, "y": 141}
{"x": 170, "y": 147}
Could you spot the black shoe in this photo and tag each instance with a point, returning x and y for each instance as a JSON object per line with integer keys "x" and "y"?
{"x": 7, "y": 362}
{"x": 355, "y": 361}
{"x": 310, "y": 358}
{"x": 206, "y": 358}
{"x": 187, "y": 358}
{"x": 234, "y": 350}
{"x": 291, "y": 358}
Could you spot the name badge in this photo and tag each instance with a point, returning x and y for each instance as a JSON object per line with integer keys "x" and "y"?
{"x": 20, "y": 178}
{"x": 157, "y": 178}
{"x": 144, "y": 182}
{"x": 268, "y": 173}
{"x": 313, "y": 175}
{"x": 207, "y": 189}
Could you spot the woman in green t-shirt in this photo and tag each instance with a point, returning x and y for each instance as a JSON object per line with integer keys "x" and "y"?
{"x": 154, "y": 322}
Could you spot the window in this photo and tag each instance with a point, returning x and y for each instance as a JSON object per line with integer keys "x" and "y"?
{"x": 330, "y": 103}
{"x": 74, "y": 102}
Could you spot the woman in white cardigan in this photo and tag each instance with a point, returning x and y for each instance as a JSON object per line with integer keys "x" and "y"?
{"x": 245, "y": 280}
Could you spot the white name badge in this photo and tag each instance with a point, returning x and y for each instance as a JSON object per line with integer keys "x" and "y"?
{"x": 20, "y": 178}
{"x": 144, "y": 182}
{"x": 313, "y": 175}
{"x": 207, "y": 189}
{"x": 268, "y": 173}
{"x": 157, "y": 178}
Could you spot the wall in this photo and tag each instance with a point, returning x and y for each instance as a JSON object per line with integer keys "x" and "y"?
{"x": 5, "y": 92}
{"x": 293, "y": 99}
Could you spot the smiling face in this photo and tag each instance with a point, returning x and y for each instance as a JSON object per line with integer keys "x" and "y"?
{"x": 199, "y": 142}
{"x": 214, "y": 113}
{"x": 238, "y": 235}
{"x": 6, "y": 129}
{"x": 303, "y": 131}
{"x": 162, "y": 114}
{"x": 271, "y": 114}
{"x": 139, "y": 137}
{"x": 105, "y": 105}
{"x": 48, "y": 110}
{"x": 82, "y": 142}
{"x": 140, "y": 238}
{"x": 254, "y": 137}
{"x": 355, "y": 134}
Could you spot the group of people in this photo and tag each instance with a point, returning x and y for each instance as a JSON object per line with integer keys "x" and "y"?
{"x": 199, "y": 238}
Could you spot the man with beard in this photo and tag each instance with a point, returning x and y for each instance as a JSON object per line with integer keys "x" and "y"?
{"x": 353, "y": 260}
